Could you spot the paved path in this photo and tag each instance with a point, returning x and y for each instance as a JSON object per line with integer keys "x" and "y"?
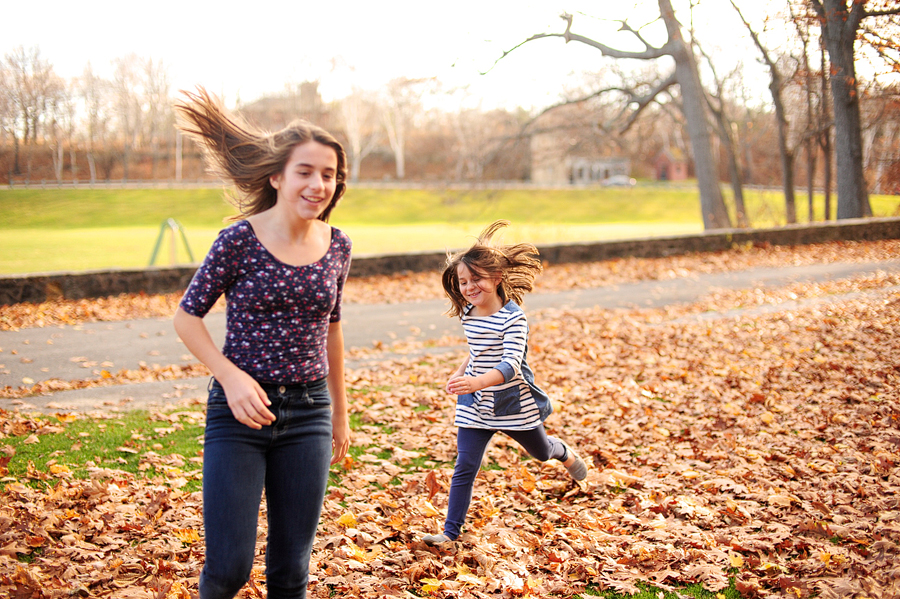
{"x": 75, "y": 352}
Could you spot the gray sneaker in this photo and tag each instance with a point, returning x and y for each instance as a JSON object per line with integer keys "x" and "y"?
{"x": 438, "y": 539}
{"x": 577, "y": 469}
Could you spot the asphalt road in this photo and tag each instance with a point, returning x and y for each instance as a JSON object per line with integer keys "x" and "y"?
{"x": 77, "y": 352}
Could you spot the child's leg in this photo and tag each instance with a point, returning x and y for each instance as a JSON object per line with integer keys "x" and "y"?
{"x": 470, "y": 446}
{"x": 539, "y": 444}
{"x": 543, "y": 447}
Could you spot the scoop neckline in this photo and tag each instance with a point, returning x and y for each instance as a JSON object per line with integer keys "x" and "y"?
{"x": 282, "y": 262}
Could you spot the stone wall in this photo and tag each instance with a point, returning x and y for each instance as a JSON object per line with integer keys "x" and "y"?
{"x": 40, "y": 287}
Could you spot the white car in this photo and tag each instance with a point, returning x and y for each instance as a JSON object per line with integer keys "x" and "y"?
{"x": 619, "y": 181}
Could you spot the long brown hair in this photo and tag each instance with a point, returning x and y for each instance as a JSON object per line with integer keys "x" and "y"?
{"x": 515, "y": 266}
{"x": 238, "y": 152}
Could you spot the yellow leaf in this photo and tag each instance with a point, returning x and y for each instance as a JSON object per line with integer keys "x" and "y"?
{"x": 187, "y": 536}
{"x": 690, "y": 474}
{"x": 429, "y": 510}
{"x": 431, "y": 584}
{"x": 825, "y": 557}
{"x": 767, "y": 417}
{"x": 348, "y": 520}
{"x": 736, "y": 560}
{"x": 59, "y": 469}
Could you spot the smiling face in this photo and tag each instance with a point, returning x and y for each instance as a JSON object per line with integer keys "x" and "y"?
{"x": 479, "y": 291}
{"x": 307, "y": 183}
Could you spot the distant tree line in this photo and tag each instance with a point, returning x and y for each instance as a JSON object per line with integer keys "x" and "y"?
{"x": 95, "y": 129}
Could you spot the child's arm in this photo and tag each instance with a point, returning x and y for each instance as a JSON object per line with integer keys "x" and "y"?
{"x": 247, "y": 400}
{"x": 461, "y": 385}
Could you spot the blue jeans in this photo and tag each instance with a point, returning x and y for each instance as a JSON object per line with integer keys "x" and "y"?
{"x": 471, "y": 444}
{"x": 290, "y": 460}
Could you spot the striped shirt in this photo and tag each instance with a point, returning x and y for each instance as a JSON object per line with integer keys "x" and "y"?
{"x": 500, "y": 341}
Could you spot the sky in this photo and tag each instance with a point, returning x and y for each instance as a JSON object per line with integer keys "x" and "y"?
{"x": 246, "y": 50}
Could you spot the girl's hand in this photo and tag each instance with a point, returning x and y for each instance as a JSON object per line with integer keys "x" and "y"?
{"x": 340, "y": 439}
{"x": 461, "y": 385}
{"x": 247, "y": 400}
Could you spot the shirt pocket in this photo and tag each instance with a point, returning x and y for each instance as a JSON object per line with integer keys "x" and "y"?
{"x": 507, "y": 402}
{"x": 466, "y": 400}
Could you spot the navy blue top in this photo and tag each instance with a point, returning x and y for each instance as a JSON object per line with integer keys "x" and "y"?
{"x": 277, "y": 314}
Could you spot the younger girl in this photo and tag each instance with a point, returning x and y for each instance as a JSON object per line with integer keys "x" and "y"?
{"x": 277, "y": 408}
{"x": 494, "y": 385}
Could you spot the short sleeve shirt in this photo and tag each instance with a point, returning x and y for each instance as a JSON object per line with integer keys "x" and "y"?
{"x": 277, "y": 315}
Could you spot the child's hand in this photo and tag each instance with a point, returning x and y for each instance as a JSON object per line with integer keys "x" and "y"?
{"x": 461, "y": 385}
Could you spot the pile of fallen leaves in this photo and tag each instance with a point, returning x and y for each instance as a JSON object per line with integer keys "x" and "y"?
{"x": 753, "y": 435}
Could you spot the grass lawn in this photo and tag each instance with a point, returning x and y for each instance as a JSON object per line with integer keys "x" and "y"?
{"x": 47, "y": 230}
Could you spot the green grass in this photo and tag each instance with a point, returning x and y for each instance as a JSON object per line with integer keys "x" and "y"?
{"x": 46, "y": 230}
{"x": 137, "y": 442}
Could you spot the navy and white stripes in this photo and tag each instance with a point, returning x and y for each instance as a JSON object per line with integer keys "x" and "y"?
{"x": 500, "y": 341}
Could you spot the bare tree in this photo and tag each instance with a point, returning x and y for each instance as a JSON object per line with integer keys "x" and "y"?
{"x": 402, "y": 103}
{"x": 776, "y": 89}
{"x": 94, "y": 92}
{"x": 127, "y": 86}
{"x": 816, "y": 127}
{"x": 717, "y": 103}
{"x": 687, "y": 77}
{"x": 842, "y": 22}
{"x": 62, "y": 125}
{"x": 360, "y": 126}
{"x": 32, "y": 85}
{"x": 7, "y": 109}
{"x": 159, "y": 119}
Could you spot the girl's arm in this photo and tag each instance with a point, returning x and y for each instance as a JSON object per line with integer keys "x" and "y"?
{"x": 515, "y": 337}
{"x": 456, "y": 374}
{"x": 340, "y": 421}
{"x": 459, "y": 384}
{"x": 247, "y": 400}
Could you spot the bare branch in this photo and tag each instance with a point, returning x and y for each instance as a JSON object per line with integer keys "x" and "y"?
{"x": 648, "y": 54}
{"x": 645, "y": 100}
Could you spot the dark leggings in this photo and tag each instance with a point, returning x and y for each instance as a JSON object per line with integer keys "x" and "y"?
{"x": 471, "y": 444}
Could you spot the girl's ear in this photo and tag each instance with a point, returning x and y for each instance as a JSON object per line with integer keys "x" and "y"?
{"x": 275, "y": 180}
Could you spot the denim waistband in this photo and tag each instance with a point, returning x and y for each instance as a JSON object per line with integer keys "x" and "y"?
{"x": 313, "y": 393}
{"x": 278, "y": 387}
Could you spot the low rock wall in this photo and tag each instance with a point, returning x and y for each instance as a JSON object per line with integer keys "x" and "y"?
{"x": 34, "y": 288}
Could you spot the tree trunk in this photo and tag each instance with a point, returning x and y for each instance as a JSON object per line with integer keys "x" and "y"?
{"x": 825, "y": 137}
{"x": 840, "y": 37}
{"x": 712, "y": 206}
{"x": 787, "y": 153}
{"x": 810, "y": 176}
{"x": 735, "y": 172}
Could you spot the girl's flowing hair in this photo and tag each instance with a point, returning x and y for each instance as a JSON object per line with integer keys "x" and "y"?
{"x": 515, "y": 265}
{"x": 238, "y": 152}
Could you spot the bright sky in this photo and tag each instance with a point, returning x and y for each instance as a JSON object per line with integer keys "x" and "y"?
{"x": 249, "y": 49}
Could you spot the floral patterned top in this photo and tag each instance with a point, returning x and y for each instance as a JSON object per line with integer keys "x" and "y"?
{"x": 277, "y": 314}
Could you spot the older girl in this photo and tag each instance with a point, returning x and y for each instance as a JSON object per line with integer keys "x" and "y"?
{"x": 277, "y": 407}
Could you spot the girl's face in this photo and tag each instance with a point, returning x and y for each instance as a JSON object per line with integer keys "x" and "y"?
{"x": 479, "y": 291}
{"x": 308, "y": 181}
